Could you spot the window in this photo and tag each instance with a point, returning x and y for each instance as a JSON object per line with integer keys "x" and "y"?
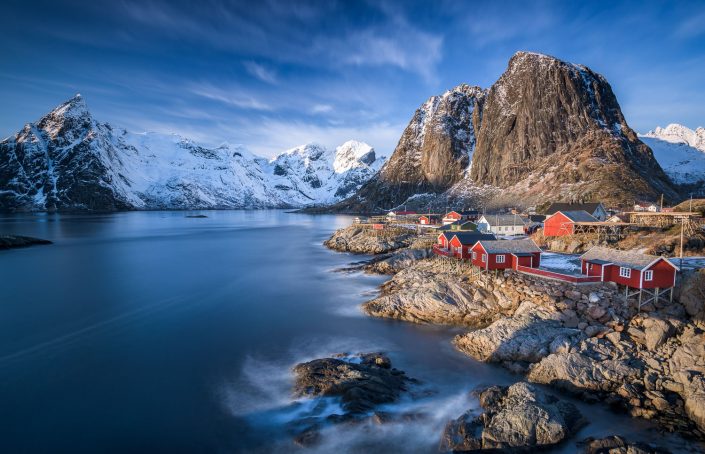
{"x": 484, "y": 257}
{"x": 649, "y": 275}
{"x": 625, "y": 272}
{"x": 500, "y": 258}
{"x": 474, "y": 255}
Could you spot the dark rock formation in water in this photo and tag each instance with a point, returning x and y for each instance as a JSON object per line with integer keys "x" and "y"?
{"x": 361, "y": 386}
{"x": 15, "y": 241}
{"x": 359, "y": 382}
{"x": 518, "y": 417}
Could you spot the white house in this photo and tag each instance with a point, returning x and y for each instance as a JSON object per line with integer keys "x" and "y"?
{"x": 503, "y": 224}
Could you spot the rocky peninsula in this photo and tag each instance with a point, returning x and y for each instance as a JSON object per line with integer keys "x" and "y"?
{"x": 586, "y": 340}
{"x": 17, "y": 241}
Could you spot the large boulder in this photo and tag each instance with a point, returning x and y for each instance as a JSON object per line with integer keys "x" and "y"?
{"x": 524, "y": 338}
{"x": 616, "y": 445}
{"x": 520, "y": 416}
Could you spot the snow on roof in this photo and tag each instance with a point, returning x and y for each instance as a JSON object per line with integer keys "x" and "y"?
{"x": 627, "y": 259}
{"x": 579, "y": 216}
{"x": 510, "y": 246}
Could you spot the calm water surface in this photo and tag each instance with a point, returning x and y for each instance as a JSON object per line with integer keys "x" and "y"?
{"x": 150, "y": 331}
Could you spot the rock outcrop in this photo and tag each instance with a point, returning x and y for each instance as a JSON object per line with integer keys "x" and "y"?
{"x": 363, "y": 240}
{"x": 16, "y": 241}
{"x": 518, "y": 417}
{"x": 617, "y": 445}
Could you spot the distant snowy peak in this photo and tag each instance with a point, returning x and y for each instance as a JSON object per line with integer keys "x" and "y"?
{"x": 353, "y": 154}
{"x": 676, "y": 133}
{"x": 680, "y": 151}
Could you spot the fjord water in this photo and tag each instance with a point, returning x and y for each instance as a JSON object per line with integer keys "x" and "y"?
{"x": 152, "y": 331}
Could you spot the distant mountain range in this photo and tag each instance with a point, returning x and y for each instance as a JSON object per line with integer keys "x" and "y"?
{"x": 69, "y": 161}
{"x": 546, "y": 130}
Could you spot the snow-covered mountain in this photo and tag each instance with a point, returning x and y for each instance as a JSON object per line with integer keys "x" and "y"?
{"x": 680, "y": 151}
{"x": 69, "y": 161}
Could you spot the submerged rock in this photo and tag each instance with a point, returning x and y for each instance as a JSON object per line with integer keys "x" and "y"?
{"x": 364, "y": 240}
{"x": 15, "y": 241}
{"x": 517, "y": 417}
{"x": 616, "y": 445}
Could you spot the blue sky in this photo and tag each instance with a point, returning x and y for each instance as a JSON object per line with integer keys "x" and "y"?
{"x": 275, "y": 74}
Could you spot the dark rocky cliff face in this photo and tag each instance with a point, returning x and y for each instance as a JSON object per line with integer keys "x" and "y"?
{"x": 560, "y": 125}
{"x": 546, "y": 130}
{"x": 433, "y": 153}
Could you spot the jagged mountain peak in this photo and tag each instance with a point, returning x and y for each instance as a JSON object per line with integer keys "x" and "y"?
{"x": 353, "y": 154}
{"x": 677, "y": 133}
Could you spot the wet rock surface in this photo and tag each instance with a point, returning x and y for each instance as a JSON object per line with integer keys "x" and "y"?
{"x": 365, "y": 240}
{"x": 616, "y": 445}
{"x": 360, "y": 383}
{"x": 17, "y": 241}
{"x": 518, "y": 417}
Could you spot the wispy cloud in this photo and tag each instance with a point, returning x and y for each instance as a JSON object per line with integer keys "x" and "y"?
{"x": 234, "y": 98}
{"x": 691, "y": 27}
{"x": 321, "y": 108}
{"x": 261, "y": 72}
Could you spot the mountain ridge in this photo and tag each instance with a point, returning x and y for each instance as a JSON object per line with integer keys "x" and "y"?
{"x": 67, "y": 160}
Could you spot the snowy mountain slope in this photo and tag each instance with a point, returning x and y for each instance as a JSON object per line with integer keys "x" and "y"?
{"x": 680, "y": 151}
{"x": 69, "y": 161}
{"x": 311, "y": 174}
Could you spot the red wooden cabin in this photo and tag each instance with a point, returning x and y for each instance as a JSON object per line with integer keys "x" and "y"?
{"x": 631, "y": 269}
{"x": 462, "y": 242}
{"x": 429, "y": 219}
{"x": 562, "y": 223}
{"x": 503, "y": 254}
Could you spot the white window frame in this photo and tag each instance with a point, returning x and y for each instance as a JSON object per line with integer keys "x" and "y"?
{"x": 649, "y": 275}
{"x": 484, "y": 257}
{"x": 625, "y": 272}
{"x": 474, "y": 255}
{"x": 501, "y": 258}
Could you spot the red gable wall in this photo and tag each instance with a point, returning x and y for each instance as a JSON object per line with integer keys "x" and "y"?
{"x": 558, "y": 225}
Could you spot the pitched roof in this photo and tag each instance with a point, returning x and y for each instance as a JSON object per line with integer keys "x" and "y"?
{"x": 590, "y": 207}
{"x": 579, "y": 216}
{"x": 448, "y": 226}
{"x": 627, "y": 259}
{"x": 470, "y": 238}
{"x": 510, "y": 246}
{"x": 505, "y": 219}
{"x": 464, "y": 212}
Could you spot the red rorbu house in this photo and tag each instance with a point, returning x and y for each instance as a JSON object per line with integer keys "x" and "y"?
{"x": 503, "y": 254}
{"x": 562, "y": 223}
{"x": 458, "y": 244}
{"x": 631, "y": 269}
{"x": 461, "y": 243}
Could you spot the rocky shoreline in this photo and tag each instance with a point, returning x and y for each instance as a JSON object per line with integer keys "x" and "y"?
{"x": 585, "y": 339}
{"x": 18, "y": 241}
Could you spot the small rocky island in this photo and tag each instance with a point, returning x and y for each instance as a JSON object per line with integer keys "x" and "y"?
{"x": 17, "y": 241}
{"x": 586, "y": 340}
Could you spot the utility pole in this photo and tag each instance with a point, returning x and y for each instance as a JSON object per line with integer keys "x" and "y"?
{"x": 682, "y": 225}
{"x": 661, "y": 209}
{"x": 690, "y": 208}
